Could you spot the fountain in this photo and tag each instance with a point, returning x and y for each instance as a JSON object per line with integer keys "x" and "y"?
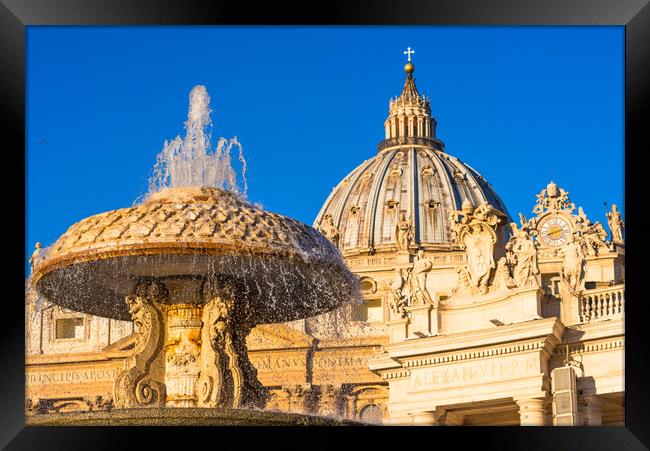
{"x": 195, "y": 266}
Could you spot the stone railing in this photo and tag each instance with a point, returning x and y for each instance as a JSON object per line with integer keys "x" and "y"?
{"x": 438, "y": 259}
{"x": 390, "y": 142}
{"x": 602, "y": 303}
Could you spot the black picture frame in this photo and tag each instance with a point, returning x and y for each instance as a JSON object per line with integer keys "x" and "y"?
{"x": 15, "y": 15}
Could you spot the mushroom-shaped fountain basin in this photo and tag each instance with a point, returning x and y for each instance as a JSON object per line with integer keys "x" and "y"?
{"x": 284, "y": 269}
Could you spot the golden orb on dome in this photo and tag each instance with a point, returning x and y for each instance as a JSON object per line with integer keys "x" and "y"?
{"x": 409, "y": 68}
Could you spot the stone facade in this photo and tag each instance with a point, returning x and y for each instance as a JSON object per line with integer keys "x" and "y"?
{"x": 468, "y": 317}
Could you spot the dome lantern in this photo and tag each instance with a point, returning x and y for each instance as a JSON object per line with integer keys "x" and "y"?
{"x": 409, "y": 117}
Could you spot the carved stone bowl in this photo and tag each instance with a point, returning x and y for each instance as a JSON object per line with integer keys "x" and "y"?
{"x": 283, "y": 268}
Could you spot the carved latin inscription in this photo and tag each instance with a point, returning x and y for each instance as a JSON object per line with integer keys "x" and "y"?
{"x": 473, "y": 373}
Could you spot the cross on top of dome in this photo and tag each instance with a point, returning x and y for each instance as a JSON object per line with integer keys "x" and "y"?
{"x": 409, "y": 67}
{"x": 408, "y": 52}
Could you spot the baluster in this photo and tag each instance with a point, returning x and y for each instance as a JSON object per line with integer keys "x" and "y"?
{"x": 599, "y": 306}
{"x": 621, "y": 302}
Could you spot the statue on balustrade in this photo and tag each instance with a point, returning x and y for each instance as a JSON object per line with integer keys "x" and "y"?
{"x": 522, "y": 256}
{"x": 593, "y": 236}
{"x": 35, "y": 256}
{"x": 397, "y": 302}
{"x": 418, "y": 277}
{"x": 615, "y": 222}
{"x": 573, "y": 265}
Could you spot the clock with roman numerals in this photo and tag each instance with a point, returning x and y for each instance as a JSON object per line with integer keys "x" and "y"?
{"x": 554, "y": 231}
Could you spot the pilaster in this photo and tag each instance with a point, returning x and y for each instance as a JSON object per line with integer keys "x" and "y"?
{"x": 532, "y": 411}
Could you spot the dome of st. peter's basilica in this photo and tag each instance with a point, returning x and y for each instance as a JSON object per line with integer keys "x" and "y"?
{"x": 410, "y": 180}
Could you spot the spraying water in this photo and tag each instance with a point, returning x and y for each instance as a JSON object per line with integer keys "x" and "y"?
{"x": 192, "y": 161}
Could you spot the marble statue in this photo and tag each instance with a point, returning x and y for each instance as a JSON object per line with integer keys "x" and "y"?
{"x": 593, "y": 235}
{"x": 573, "y": 262}
{"x": 615, "y": 222}
{"x": 522, "y": 256}
{"x": 35, "y": 255}
{"x": 421, "y": 268}
{"x": 330, "y": 231}
{"x": 398, "y": 300}
{"x": 502, "y": 278}
{"x": 403, "y": 233}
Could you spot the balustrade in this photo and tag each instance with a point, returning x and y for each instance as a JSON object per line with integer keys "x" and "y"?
{"x": 603, "y": 303}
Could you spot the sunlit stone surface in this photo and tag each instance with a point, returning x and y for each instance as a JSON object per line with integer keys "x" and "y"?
{"x": 469, "y": 316}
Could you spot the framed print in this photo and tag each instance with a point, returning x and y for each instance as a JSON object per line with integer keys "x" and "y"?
{"x": 376, "y": 219}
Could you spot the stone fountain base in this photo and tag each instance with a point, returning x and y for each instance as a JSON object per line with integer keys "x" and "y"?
{"x": 185, "y": 417}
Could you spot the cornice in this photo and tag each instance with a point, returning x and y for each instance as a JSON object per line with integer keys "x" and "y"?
{"x": 500, "y": 335}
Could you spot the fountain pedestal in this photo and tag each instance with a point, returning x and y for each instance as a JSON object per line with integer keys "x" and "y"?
{"x": 188, "y": 354}
{"x": 182, "y": 351}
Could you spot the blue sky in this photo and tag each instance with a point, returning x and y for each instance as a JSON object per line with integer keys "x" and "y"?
{"x": 521, "y": 105}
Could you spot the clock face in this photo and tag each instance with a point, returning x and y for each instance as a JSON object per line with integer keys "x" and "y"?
{"x": 555, "y": 231}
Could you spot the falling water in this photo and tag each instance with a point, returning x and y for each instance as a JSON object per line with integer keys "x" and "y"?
{"x": 192, "y": 161}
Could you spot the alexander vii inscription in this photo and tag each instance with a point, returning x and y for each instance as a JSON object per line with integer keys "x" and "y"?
{"x": 472, "y": 373}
